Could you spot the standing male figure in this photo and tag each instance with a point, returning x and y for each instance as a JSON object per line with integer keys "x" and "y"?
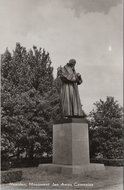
{"x": 70, "y": 99}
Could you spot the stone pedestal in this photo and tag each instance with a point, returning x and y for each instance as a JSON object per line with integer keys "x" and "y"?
{"x": 71, "y": 143}
{"x": 71, "y": 148}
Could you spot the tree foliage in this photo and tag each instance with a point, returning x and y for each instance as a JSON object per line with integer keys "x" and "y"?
{"x": 29, "y": 101}
{"x": 106, "y": 129}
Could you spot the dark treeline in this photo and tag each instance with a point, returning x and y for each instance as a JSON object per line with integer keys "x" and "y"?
{"x": 30, "y": 103}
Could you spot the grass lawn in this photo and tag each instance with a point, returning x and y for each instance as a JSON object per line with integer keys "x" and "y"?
{"x": 34, "y": 178}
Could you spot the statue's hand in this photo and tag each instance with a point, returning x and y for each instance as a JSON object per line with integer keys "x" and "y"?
{"x": 78, "y": 76}
{"x": 79, "y": 79}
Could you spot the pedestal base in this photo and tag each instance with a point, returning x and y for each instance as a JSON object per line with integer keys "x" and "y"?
{"x": 72, "y": 169}
{"x": 71, "y": 149}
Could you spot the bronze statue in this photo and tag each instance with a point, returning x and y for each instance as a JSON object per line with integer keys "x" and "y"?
{"x": 70, "y": 99}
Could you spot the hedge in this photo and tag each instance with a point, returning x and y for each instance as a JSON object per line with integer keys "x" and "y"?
{"x": 20, "y": 163}
{"x": 26, "y": 162}
{"x": 45, "y": 160}
{"x": 109, "y": 162}
{"x": 5, "y": 165}
{"x": 11, "y": 176}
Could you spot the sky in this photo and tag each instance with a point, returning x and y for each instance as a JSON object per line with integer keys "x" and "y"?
{"x": 90, "y": 31}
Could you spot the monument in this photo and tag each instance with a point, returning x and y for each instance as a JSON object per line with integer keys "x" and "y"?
{"x": 70, "y": 134}
{"x": 70, "y": 99}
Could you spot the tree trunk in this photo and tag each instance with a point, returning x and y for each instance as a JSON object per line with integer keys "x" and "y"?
{"x": 18, "y": 153}
{"x": 31, "y": 152}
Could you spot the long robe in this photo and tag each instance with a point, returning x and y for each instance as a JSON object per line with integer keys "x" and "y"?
{"x": 71, "y": 103}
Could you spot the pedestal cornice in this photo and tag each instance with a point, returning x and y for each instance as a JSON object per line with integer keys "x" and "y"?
{"x": 71, "y": 120}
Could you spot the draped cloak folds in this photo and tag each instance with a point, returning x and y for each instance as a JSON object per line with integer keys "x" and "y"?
{"x": 70, "y": 98}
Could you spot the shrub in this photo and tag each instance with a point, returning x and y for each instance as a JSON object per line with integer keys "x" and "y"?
{"x": 11, "y": 176}
{"x": 109, "y": 162}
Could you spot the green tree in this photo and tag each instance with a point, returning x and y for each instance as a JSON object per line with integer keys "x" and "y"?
{"x": 106, "y": 129}
{"x": 29, "y": 101}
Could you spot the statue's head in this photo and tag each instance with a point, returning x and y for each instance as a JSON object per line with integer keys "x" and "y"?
{"x": 71, "y": 62}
